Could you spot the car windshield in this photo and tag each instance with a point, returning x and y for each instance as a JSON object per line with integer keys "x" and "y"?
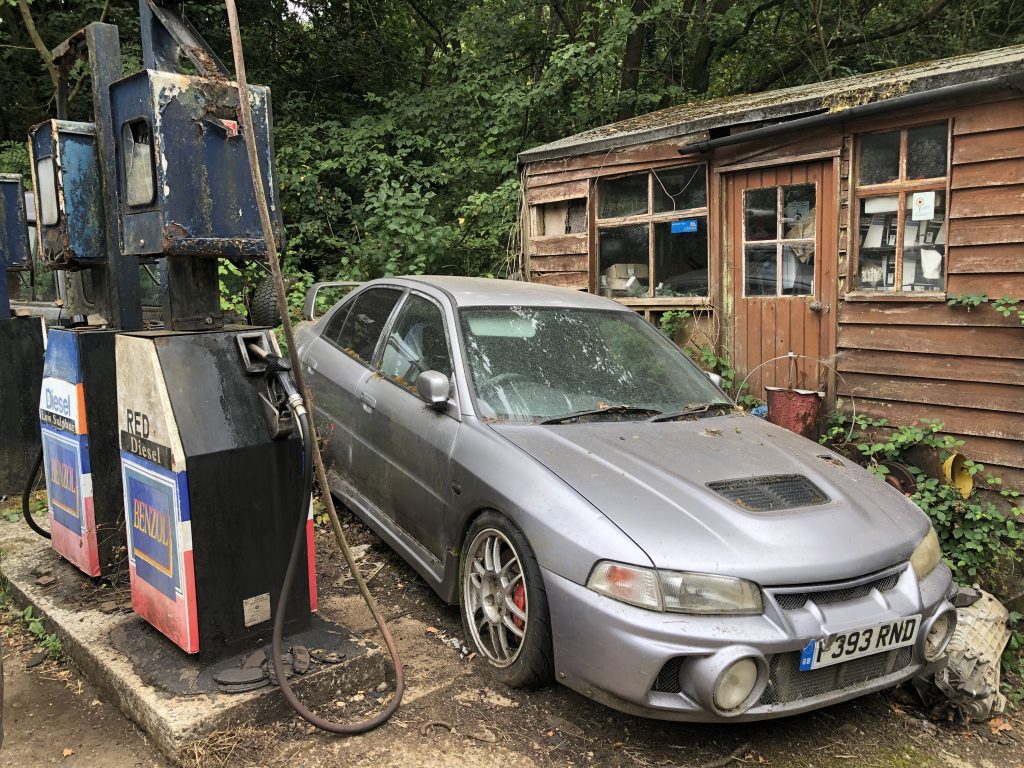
{"x": 563, "y": 364}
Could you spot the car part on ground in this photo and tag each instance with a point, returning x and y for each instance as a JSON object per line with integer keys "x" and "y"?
{"x": 263, "y": 305}
{"x": 969, "y": 682}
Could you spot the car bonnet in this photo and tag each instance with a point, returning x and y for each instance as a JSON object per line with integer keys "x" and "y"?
{"x": 651, "y": 479}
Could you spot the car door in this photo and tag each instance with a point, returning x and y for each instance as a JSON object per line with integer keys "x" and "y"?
{"x": 337, "y": 367}
{"x": 410, "y": 443}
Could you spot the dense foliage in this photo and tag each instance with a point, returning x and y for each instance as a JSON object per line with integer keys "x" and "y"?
{"x": 398, "y": 122}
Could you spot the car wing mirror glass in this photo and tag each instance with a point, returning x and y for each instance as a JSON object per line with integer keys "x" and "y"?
{"x": 433, "y": 388}
{"x": 715, "y": 378}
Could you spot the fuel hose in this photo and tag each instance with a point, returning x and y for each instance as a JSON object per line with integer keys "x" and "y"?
{"x": 311, "y": 442}
{"x": 26, "y": 495}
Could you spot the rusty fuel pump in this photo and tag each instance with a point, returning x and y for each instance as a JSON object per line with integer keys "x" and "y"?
{"x": 22, "y": 340}
{"x": 211, "y": 460}
{"x": 73, "y": 174}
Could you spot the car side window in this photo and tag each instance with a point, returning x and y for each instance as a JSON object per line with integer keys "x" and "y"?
{"x": 417, "y": 343}
{"x": 365, "y": 322}
{"x": 332, "y": 331}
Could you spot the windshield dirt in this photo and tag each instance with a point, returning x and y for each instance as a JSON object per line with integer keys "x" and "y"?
{"x": 539, "y": 363}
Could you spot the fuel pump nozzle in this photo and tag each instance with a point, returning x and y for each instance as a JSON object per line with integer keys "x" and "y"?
{"x": 282, "y": 401}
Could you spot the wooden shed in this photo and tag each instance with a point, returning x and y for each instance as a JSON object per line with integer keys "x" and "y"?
{"x": 832, "y": 221}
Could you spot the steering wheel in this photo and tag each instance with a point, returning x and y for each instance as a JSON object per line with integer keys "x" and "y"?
{"x": 501, "y": 378}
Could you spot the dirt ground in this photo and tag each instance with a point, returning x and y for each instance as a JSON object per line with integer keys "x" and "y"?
{"x": 453, "y": 714}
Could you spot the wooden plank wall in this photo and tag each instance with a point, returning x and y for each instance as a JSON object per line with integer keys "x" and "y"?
{"x": 906, "y": 360}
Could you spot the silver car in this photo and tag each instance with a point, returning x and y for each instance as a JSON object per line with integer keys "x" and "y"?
{"x": 604, "y": 515}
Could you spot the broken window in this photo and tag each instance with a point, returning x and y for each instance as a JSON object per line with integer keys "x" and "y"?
{"x": 653, "y": 234}
{"x": 901, "y": 209}
{"x": 562, "y": 217}
{"x": 779, "y": 231}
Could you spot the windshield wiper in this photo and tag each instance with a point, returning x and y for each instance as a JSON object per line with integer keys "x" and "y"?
{"x": 698, "y": 411}
{"x": 610, "y": 410}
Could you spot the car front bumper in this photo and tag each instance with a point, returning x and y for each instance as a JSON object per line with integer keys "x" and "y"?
{"x": 664, "y": 665}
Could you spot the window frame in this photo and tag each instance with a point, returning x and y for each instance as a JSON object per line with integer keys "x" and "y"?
{"x": 901, "y": 188}
{"x": 378, "y": 355}
{"x": 346, "y": 307}
{"x": 650, "y": 218}
{"x": 779, "y": 241}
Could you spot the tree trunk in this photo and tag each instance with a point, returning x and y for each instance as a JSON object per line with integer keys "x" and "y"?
{"x": 636, "y": 43}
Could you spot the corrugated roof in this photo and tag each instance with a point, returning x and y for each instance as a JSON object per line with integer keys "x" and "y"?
{"x": 825, "y": 96}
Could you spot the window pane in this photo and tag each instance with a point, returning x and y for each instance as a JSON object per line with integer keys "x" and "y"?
{"x": 759, "y": 270}
{"x": 46, "y": 176}
{"x": 624, "y": 256}
{"x": 563, "y": 217}
{"x": 924, "y": 241}
{"x": 679, "y": 189}
{"x": 681, "y": 257}
{"x": 877, "y": 243}
{"x": 798, "y": 211}
{"x": 926, "y": 151}
{"x": 138, "y": 163}
{"x": 798, "y": 269}
{"x": 760, "y": 209}
{"x": 366, "y": 321}
{"x": 625, "y": 196}
{"x": 332, "y": 332}
{"x": 416, "y": 343}
{"x": 879, "y": 158}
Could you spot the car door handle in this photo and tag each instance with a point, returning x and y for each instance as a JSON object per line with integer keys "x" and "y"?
{"x": 367, "y": 400}
{"x": 310, "y": 365}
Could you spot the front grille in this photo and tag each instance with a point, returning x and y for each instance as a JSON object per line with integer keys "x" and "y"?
{"x": 770, "y": 493}
{"x": 791, "y": 601}
{"x": 668, "y": 679}
{"x": 786, "y": 683}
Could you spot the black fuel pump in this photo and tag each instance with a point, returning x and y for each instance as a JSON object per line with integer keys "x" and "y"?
{"x": 211, "y": 459}
{"x": 21, "y": 341}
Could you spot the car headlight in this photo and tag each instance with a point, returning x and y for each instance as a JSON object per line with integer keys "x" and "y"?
{"x": 927, "y": 554}
{"x": 676, "y": 591}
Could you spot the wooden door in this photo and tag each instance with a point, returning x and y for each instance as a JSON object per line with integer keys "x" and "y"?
{"x": 781, "y": 275}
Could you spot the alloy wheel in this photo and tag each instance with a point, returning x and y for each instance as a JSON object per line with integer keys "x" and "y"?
{"x": 495, "y": 597}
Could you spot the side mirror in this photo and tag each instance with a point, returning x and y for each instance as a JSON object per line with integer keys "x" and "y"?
{"x": 433, "y": 388}
{"x": 715, "y": 378}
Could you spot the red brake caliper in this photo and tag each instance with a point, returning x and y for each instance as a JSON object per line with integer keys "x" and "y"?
{"x": 519, "y": 598}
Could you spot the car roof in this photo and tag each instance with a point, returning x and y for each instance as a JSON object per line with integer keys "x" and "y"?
{"x": 492, "y": 292}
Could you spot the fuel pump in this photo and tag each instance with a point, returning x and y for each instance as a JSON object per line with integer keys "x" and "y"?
{"x": 21, "y": 342}
{"x": 211, "y": 458}
{"x": 73, "y": 174}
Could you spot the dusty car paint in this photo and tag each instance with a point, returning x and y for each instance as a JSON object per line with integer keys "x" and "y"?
{"x": 630, "y": 492}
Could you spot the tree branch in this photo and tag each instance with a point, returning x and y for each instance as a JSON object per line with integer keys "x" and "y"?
{"x": 37, "y": 41}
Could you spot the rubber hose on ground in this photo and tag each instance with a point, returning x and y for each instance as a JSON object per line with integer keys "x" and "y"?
{"x": 302, "y": 419}
{"x": 26, "y": 495}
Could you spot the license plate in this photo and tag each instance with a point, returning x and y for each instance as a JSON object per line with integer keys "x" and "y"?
{"x": 863, "y": 642}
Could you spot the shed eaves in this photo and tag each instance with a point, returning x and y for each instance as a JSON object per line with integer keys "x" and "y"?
{"x": 825, "y": 96}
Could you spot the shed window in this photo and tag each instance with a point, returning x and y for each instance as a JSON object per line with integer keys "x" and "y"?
{"x": 901, "y": 209}
{"x": 562, "y": 217}
{"x": 653, "y": 234}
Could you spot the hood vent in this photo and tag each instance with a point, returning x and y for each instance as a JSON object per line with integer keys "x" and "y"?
{"x": 770, "y": 492}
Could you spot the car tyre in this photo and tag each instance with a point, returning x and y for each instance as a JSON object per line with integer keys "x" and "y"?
{"x": 504, "y": 605}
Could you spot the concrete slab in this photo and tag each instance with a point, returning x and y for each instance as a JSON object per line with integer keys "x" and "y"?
{"x": 167, "y": 692}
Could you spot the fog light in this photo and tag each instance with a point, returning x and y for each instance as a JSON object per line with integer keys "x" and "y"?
{"x": 939, "y": 634}
{"x": 735, "y": 684}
